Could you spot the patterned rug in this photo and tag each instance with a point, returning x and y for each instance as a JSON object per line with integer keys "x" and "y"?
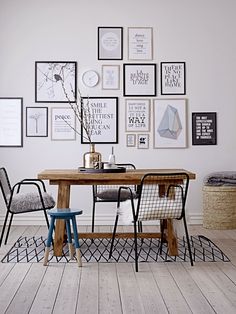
{"x": 97, "y": 250}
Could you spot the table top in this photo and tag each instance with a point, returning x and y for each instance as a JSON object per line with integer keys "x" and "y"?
{"x": 73, "y": 176}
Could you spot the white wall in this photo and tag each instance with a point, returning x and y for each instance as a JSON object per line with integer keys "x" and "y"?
{"x": 201, "y": 33}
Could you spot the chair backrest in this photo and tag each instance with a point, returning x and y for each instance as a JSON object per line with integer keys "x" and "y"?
{"x": 162, "y": 196}
{"x": 100, "y": 188}
{"x": 5, "y": 185}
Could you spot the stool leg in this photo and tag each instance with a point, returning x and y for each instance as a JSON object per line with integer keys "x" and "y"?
{"x": 49, "y": 241}
{"x": 76, "y": 238}
{"x": 69, "y": 237}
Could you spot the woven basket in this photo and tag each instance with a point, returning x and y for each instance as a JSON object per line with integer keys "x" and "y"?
{"x": 219, "y": 207}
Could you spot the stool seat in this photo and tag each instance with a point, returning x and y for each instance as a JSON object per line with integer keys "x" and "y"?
{"x": 64, "y": 212}
{"x": 68, "y": 214}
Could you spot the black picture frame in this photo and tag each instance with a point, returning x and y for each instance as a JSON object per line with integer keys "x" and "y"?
{"x": 173, "y": 78}
{"x": 139, "y": 79}
{"x": 110, "y": 43}
{"x": 36, "y": 121}
{"x": 204, "y": 128}
{"x": 104, "y": 114}
{"x": 49, "y": 76}
{"x": 11, "y": 121}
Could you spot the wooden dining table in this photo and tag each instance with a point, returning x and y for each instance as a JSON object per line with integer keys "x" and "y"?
{"x": 65, "y": 178}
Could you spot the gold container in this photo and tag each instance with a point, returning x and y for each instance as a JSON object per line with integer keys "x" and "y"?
{"x": 92, "y": 159}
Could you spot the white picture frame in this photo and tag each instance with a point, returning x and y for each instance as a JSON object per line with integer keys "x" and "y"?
{"x": 63, "y": 124}
{"x": 140, "y": 43}
{"x": 170, "y": 127}
{"x": 110, "y": 76}
{"x": 130, "y": 140}
{"x": 137, "y": 115}
{"x": 36, "y": 121}
{"x": 143, "y": 141}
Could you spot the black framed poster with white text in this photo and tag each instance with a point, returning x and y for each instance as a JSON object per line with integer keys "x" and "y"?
{"x": 204, "y": 131}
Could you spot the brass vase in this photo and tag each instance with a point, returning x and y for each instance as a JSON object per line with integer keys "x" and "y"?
{"x": 92, "y": 159}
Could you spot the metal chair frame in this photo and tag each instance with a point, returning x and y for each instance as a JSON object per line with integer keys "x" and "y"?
{"x": 8, "y": 194}
{"x": 158, "y": 200}
{"x": 99, "y": 188}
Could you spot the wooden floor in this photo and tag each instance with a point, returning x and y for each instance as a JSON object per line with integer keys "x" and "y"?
{"x": 115, "y": 287}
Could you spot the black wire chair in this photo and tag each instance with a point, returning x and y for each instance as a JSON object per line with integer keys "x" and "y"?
{"x": 18, "y": 201}
{"x": 109, "y": 193}
{"x": 161, "y": 196}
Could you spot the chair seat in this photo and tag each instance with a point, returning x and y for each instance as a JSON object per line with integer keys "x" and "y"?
{"x": 30, "y": 201}
{"x": 64, "y": 212}
{"x": 112, "y": 195}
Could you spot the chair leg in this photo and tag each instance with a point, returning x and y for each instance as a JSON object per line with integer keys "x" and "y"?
{"x": 188, "y": 241}
{"x": 162, "y": 228}
{"x": 46, "y": 218}
{"x": 8, "y": 229}
{"x": 76, "y": 238}
{"x": 4, "y": 227}
{"x": 93, "y": 215}
{"x": 69, "y": 238}
{"x": 49, "y": 241}
{"x": 135, "y": 247}
{"x": 113, "y": 236}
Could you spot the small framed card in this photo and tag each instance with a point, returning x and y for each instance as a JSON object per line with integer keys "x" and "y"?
{"x": 143, "y": 141}
{"x": 110, "y": 77}
{"x": 130, "y": 140}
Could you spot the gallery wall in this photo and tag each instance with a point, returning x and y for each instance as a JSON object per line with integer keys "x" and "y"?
{"x": 202, "y": 34}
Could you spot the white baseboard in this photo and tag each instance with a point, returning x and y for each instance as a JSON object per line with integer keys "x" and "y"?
{"x": 102, "y": 220}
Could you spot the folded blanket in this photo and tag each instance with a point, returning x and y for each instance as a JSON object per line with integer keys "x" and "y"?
{"x": 221, "y": 178}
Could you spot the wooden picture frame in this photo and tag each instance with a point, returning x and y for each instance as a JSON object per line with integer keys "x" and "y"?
{"x": 63, "y": 124}
{"x": 143, "y": 141}
{"x": 137, "y": 115}
{"x": 110, "y": 76}
{"x": 130, "y": 140}
{"x": 140, "y": 43}
{"x": 36, "y": 121}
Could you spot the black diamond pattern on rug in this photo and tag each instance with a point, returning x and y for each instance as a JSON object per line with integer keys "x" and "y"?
{"x": 97, "y": 250}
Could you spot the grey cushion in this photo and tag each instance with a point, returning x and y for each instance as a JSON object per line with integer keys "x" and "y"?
{"x": 112, "y": 195}
{"x": 30, "y": 201}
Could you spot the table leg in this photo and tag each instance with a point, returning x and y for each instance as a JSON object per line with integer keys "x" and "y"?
{"x": 63, "y": 201}
{"x": 171, "y": 238}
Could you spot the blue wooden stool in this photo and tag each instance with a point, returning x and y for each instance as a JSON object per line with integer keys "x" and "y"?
{"x": 67, "y": 214}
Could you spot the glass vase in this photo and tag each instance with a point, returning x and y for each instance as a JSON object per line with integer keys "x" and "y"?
{"x": 92, "y": 159}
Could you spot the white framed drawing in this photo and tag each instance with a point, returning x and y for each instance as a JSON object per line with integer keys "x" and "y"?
{"x": 63, "y": 124}
{"x": 169, "y": 123}
{"x": 137, "y": 117}
{"x": 130, "y": 140}
{"x": 140, "y": 46}
{"x": 143, "y": 141}
{"x": 36, "y": 121}
{"x": 110, "y": 76}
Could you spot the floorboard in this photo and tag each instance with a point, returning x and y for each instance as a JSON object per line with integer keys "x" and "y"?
{"x": 116, "y": 288}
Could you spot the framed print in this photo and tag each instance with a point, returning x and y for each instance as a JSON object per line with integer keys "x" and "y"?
{"x": 63, "y": 125}
{"x": 36, "y": 121}
{"x": 143, "y": 141}
{"x": 137, "y": 116}
{"x": 110, "y": 43}
{"x": 130, "y": 140}
{"x": 55, "y": 81}
{"x": 173, "y": 80}
{"x": 140, "y": 43}
{"x": 103, "y": 122}
{"x": 110, "y": 77}
{"x": 204, "y": 131}
{"x": 139, "y": 79}
{"x": 170, "y": 123}
{"x": 11, "y": 122}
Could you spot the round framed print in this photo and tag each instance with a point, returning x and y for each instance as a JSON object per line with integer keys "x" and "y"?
{"x": 90, "y": 78}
